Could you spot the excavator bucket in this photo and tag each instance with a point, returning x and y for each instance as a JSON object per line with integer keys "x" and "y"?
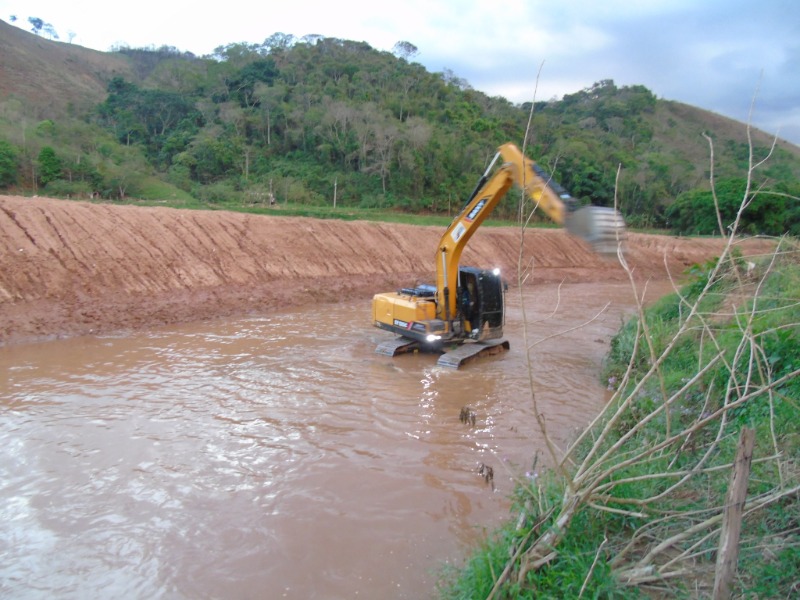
{"x": 603, "y": 228}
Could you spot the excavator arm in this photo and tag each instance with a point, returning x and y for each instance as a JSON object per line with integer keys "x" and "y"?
{"x": 538, "y": 185}
{"x": 481, "y": 204}
{"x": 602, "y": 227}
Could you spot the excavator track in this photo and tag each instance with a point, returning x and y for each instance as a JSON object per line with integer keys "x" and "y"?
{"x": 396, "y": 346}
{"x": 453, "y": 359}
{"x": 470, "y": 351}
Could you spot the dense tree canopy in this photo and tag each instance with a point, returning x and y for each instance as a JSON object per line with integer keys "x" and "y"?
{"x": 304, "y": 116}
{"x": 771, "y": 212}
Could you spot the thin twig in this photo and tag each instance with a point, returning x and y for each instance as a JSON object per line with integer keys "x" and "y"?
{"x": 591, "y": 569}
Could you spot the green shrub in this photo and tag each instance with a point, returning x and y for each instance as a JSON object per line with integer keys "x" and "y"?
{"x": 60, "y": 188}
{"x": 8, "y": 164}
{"x": 50, "y": 165}
{"x": 217, "y": 193}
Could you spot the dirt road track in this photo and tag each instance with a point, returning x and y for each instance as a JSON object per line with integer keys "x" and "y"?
{"x": 69, "y": 268}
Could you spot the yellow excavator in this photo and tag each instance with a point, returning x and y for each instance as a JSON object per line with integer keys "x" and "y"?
{"x": 462, "y": 316}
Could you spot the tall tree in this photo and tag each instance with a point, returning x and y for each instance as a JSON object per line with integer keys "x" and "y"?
{"x": 36, "y": 24}
{"x": 405, "y": 50}
{"x": 50, "y": 165}
{"x": 8, "y": 164}
{"x": 270, "y": 99}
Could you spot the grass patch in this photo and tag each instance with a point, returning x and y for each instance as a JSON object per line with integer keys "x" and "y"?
{"x": 156, "y": 192}
{"x": 636, "y": 510}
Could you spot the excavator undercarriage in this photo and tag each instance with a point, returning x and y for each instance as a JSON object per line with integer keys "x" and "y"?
{"x": 476, "y": 331}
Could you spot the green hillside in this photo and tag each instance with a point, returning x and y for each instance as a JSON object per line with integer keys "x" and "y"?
{"x": 313, "y": 120}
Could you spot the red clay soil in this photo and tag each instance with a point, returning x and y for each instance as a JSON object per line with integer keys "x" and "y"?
{"x": 70, "y": 268}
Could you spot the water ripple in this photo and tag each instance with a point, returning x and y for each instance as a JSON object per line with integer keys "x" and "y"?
{"x": 228, "y": 458}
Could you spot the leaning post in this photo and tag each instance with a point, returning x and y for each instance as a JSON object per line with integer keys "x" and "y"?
{"x": 728, "y": 553}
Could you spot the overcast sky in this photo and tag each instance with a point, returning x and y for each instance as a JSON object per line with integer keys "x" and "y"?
{"x": 714, "y": 54}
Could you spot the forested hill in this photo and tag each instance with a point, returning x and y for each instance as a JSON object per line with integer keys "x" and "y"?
{"x": 313, "y": 119}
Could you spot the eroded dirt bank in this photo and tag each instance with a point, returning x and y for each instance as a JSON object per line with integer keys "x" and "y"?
{"x": 70, "y": 268}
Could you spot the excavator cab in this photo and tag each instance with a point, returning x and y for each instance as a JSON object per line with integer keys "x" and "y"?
{"x": 481, "y": 296}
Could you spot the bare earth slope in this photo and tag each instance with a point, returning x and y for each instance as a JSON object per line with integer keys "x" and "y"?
{"x": 69, "y": 268}
{"x": 55, "y": 79}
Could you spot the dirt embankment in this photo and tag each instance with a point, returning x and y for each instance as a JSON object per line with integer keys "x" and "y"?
{"x": 69, "y": 268}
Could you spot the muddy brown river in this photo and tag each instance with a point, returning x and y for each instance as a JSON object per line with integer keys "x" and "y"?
{"x": 276, "y": 456}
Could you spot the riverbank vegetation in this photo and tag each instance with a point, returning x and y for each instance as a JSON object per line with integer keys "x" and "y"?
{"x": 635, "y": 505}
{"x": 638, "y": 505}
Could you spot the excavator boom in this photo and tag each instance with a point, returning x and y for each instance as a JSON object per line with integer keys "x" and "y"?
{"x": 603, "y": 228}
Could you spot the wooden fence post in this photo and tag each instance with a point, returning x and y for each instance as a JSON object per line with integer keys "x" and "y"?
{"x": 728, "y": 553}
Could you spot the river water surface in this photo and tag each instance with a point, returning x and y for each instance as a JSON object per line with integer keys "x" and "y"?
{"x": 276, "y": 456}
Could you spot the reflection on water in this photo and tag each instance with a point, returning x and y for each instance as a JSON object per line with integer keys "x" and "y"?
{"x": 273, "y": 457}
